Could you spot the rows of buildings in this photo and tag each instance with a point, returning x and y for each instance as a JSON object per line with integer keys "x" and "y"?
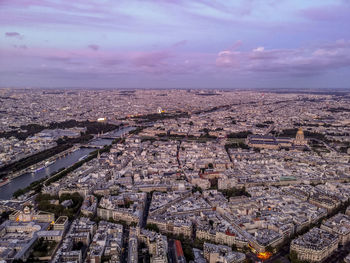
{"x": 210, "y": 168}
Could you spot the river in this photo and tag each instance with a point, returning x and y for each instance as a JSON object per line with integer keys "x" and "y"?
{"x": 26, "y": 179}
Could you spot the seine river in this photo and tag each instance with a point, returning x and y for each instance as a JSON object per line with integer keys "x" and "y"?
{"x": 26, "y": 179}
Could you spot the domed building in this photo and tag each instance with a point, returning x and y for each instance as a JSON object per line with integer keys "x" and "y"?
{"x": 299, "y": 138}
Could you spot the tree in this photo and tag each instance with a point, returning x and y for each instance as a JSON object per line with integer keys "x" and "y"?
{"x": 4, "y": 216}
{"x": 196, "y": 189}
{"x": 232, "y": 192}
{"x": 188, "y": 253}
{"x": 234, "y": 247}
{"x": 205, "y": 130}
{"x": 293, "y": 256}
{"x": 241, "y": 145}
{"x": 261, "y": 125}
{"x": 241, "y": 135}
{"x": 152, "y": 227}
{"x": 60, "y": 141}
{"x": 78, "y": 246}
{"x": 269, "y": 249}
{"x": 245, "y": 249}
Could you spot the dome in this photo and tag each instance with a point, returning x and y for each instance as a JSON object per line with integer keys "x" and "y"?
{"x": 26, "y": 210}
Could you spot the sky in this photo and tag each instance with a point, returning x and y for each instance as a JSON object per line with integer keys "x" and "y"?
{"x": 175, "y": 43}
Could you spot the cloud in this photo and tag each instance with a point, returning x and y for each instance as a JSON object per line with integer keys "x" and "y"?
{"x": 94, "y": 47}
{"x": 236, "y": 45}
{"x": 111, "y": 61}
{"x": 298, "y": 61}
{"x": 20, "y": 46}
{"x": 327, "y": 13}
{"x": 152, "y": 62}
{"x": 14, "y": 35}
{"x": 259, "y": 49}
{"x": 180, "y": 43}
{"x": 59, "y": 59}
{"x": 77, "y": 14}
{"x": 237, "y": 8}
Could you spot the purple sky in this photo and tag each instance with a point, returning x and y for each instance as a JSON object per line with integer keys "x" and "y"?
{"x": 175, "y": 43}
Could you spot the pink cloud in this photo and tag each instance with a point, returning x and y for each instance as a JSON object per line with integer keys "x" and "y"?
{"x": 237, "y": 8}
{"x": 151, "y": 59}
{"x": 77, "y": 5}
{"x": 327, "y": 13}
{"x": 113, "y": 62}
{"x": 290, "y": 61}
{"x": 14, "y": 34}
{"x": 180, "y": 43}
{"x": 94, "y": 47}
{"x": 294, "y": 61}
{"x": 77, "y": 14}
{"x": 236, "y": 45}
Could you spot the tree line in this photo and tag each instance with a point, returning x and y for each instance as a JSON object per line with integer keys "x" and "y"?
{"x": 62, "y": 143}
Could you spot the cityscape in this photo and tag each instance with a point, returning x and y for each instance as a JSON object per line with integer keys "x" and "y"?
{"x": 174, "y": 131}
{"x": 174, "y": 176}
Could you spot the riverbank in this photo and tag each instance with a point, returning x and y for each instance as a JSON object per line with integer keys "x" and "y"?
{"x": 37, "y": 185}
{"x": 37, "y": 166}
{"x": 24, "y": 180}
{"x": 62, "y": 143}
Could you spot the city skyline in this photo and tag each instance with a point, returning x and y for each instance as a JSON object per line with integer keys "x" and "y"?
{"x": 175, "y": 44}
{"x": 174, "y": 131}
{"x": 161, "y": 176}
